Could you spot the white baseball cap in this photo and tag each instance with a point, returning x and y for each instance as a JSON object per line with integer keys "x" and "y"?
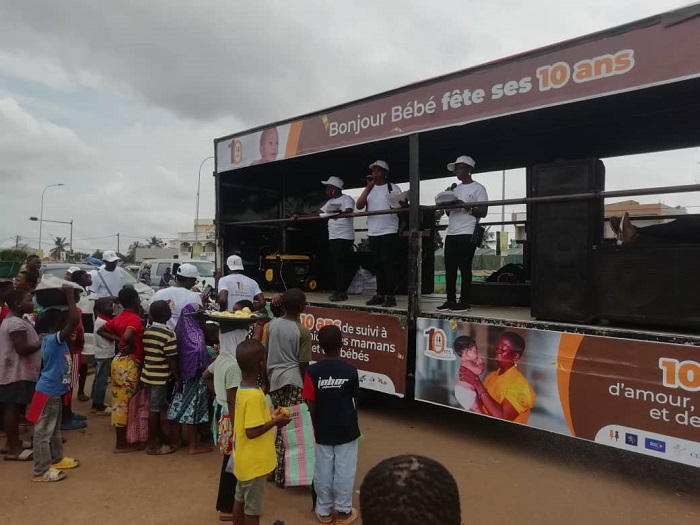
{"x": 188, "y": 271}
{"x": 379, "y": 164}
{"x": 461, "y": 160}
{"x": 73, "y": 269}
{"x": 234, "y": 262}
{"x": 110, "y": 256}
{"x": 334, "y": 181}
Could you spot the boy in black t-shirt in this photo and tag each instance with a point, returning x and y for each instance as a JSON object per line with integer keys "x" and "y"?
{"x": 331, "y": 389}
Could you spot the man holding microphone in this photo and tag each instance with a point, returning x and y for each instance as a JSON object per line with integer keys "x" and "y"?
{"x": 383, "y": 232}
{"x": 459, "y": 245}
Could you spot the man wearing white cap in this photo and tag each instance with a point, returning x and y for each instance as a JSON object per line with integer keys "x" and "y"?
{"x": 181, "y": 294}
{"x": 237, "y": 287}
{"x": 110, "y": 278}
{"x": 69, "y": 272}
{"x": 341, "y": 233}
{"x": 459, "y": 248}
{"x": 383, "y": 232}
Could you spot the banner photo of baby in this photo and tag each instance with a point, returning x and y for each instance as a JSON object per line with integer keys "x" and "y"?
{"x": 508, "y": 373}
{"x": 640, "y": 396}
{"x": 263, "y": 146}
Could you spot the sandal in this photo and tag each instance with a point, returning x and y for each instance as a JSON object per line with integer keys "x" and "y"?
{"x": 25, "y": 455}
{"x": 345, "y": 518}
{"x": 50, "y": 476}
{"x": 83, "y": 398}
{"x": 324, "y": 519}
{"x": 66, "y": 463}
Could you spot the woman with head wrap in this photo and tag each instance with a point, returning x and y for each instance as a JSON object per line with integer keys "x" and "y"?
{"x": 190, "y": 406}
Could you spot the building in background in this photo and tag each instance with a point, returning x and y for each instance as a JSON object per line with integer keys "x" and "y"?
{"x": 197, "y": 244}
{"x": 152, "y": 252}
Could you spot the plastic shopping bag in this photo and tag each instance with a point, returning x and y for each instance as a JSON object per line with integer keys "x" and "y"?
{"x": 299, "y": 443}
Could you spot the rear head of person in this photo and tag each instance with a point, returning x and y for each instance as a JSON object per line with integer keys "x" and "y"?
{"x": 211, "y": 333}
{"x": 409, "y": 490}
{"x": 250, "y": 355}
{"x": 293, "y": 301}
{"x": 104, "y": 306}
{"x": 330, "y": 339}
{"x": 245, "y": 303}
{"x": 129, "y": 299}
{"x": 159, "y": 312}
{"x": 33, "y": 263}
{"x": 187, "y": 275}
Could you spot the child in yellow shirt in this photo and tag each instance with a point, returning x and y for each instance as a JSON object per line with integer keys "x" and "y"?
{"x": 254, "y": 455}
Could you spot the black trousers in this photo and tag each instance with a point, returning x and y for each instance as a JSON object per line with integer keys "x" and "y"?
{"x": 227, "y": 483}
{"x": 459, "y": 254}
{"x": 385, "y": 251}
{"x": 682, "y": 230}
{"x": 341, "y": 251}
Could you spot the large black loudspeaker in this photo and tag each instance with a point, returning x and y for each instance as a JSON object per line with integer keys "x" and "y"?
{"x": 561, "y": 236}
{"x": 654, "y": 284}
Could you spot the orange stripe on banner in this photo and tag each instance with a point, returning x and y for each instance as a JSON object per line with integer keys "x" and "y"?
{"x": 293, "y": 139}
{"x": 568, "y": 347}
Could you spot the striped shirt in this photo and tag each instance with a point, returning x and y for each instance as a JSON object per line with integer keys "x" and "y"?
{"x": 159, "y": 343}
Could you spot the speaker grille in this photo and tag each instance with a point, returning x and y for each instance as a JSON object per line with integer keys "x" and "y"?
{"x": 561, "y": 238}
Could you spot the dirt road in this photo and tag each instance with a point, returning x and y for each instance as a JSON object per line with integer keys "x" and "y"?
{"x": 506, "y": 474}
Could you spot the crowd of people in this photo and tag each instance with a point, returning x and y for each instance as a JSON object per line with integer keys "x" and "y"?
{"x": 171, "y": 361}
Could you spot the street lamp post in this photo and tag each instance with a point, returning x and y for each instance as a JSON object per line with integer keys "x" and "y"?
{"x": 41, "y": 211}
{"x": 58, "y": 222}
{"x": 196, "y": 216}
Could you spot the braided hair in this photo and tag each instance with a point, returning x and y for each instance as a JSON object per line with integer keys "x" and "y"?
{"x": 409, "y": 490}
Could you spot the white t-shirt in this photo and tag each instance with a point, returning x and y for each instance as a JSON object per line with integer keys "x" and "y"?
{"x": 177, "y": 297}
{"x": 239, "y": 287}
{"x": 376, "y": 200}
{"x": 114, "y": 281}
{"x": 461, "y": 222}
{"x": 343, "y": 228}
{"x": 104, "y": 348}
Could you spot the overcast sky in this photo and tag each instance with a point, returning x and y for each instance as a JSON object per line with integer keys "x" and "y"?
{"x": 121, "y": 101}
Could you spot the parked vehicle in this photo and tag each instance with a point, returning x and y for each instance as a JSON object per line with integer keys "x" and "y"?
{"x": 87, "y": 300}
{"x": 158, "y": 267}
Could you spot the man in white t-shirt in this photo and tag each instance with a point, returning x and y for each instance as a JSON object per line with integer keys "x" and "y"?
{"x": 109, "y": 279}
{"x": 238, "y": 287}
{"x": 459, "y": 249}
{"x": 383, "y": 232}
{"x": 341, "y": 233}
{"x": 180, "y": 294}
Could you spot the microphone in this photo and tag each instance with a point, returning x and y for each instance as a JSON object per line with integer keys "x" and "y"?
{"x": 451, "y": 188}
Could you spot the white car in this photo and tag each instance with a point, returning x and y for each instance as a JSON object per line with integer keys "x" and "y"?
{"x": 87, "y": 300}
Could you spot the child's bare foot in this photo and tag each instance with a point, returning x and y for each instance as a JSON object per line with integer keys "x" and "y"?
{"x": 134, "y": 447}
{"x": 201, "y": 449}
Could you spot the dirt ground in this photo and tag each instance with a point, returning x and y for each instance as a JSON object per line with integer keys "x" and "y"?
{"x": 506, "y": 474}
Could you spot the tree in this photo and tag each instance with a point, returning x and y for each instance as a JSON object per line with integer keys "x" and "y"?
{"x": 59, "y": 248}
{"x": 155, "y": 242}
{"x": 12, "y": 255}
{"x": 97, "y": 254}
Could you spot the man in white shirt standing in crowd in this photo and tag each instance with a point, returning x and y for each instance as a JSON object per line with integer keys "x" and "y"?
{"x": 383, "y": 232}
{"x": 238, "y": 287}
{"x": 181, "y": 294}
{"x": 341, "y": 234}
{"x": 110, "y": 278}
{"x": 459, "y": 248}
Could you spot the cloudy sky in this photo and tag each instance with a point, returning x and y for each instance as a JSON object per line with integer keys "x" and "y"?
{"x": 121, "y": 100}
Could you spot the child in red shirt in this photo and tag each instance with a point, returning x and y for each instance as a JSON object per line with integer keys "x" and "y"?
{"x": 127, "y": 330}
